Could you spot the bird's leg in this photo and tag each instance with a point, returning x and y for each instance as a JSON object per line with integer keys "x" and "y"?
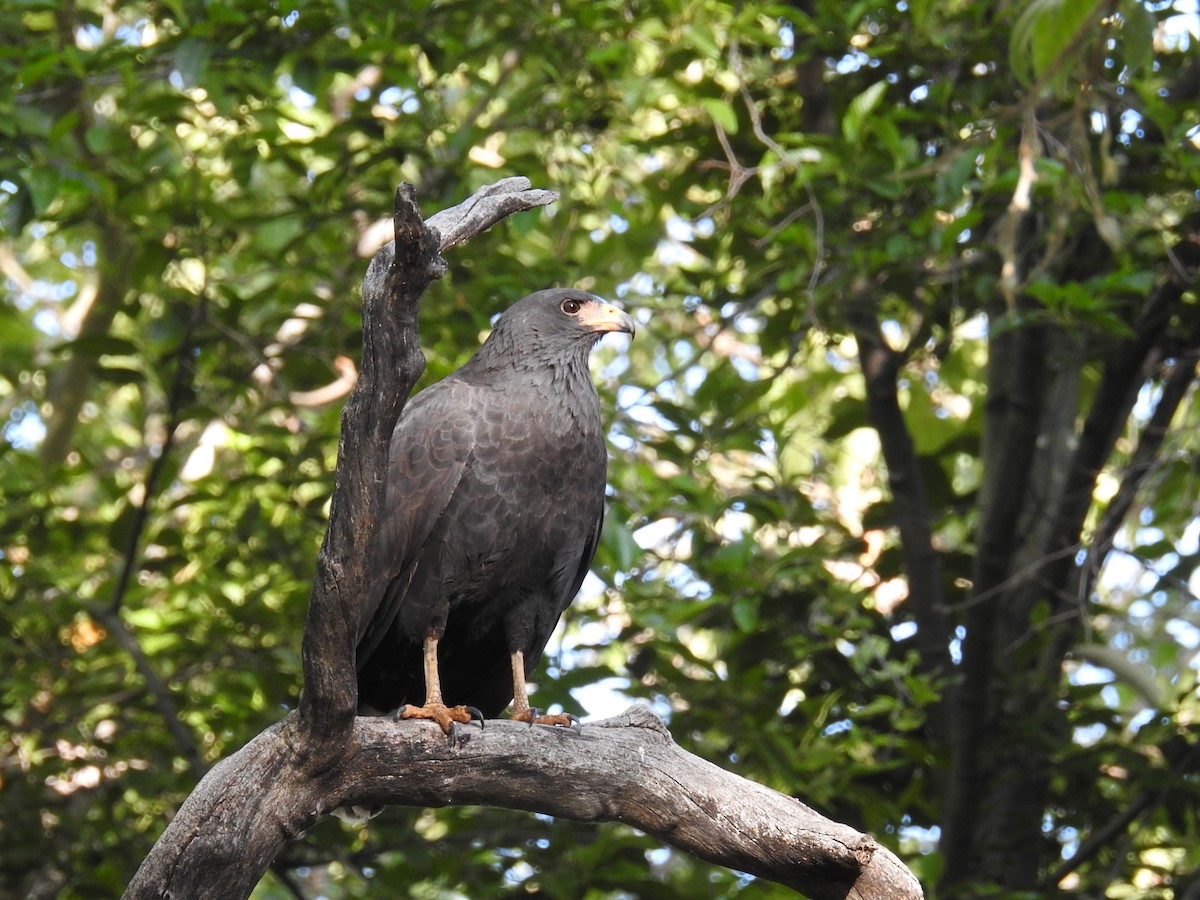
{"x": 522, "y": 711}
{"x": 435, "y": 709}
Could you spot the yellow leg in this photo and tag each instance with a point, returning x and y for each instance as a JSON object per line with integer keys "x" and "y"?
{"x": 434, "y": 709}
{"x": 433, "y": 679}
{"x": 521, "y": 710}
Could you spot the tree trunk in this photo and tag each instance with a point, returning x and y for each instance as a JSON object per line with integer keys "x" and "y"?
{"x": 1042, "y": 457}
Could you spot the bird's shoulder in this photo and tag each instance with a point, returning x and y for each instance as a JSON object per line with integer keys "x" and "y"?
{"x": 453, "y": 396}
{"x": 444, "y": 413}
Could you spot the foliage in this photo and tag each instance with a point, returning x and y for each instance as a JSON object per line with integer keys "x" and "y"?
{"x": 779, "y": 190}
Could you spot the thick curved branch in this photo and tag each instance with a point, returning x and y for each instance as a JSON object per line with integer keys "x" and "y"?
{"x": 625, "y": 769}
{"x": 485, "y": 208}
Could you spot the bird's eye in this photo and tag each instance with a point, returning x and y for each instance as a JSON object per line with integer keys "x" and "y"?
{"x": 571, "y": 307}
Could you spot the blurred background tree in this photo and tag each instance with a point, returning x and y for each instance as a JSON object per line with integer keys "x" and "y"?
{"x": 904, "y": 508}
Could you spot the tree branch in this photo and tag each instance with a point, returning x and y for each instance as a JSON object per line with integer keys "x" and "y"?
{"x": 1125, "y": 371}
{"x": 880, "y": 365}
{"x": 1146, "y": 457}
{"x": 625, "y": 769}
{"x": 70, "y": 387}
{"x": 485, "y": 208}
{"x": 391, "y": 364}
{"x": 109, "y": 615}
{"x": 1015, "y": 378}
{"x": 1182, "y": 758}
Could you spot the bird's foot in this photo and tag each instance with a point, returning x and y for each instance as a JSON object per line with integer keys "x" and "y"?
{"x": 533, "y": 717}
{"x": 445, "y": 716}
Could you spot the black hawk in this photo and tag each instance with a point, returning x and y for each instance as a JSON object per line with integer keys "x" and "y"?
{"x": 495, "y": 498}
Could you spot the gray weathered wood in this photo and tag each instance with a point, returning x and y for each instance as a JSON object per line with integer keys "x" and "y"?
{"x": 627, "y": 769}
{"x": 624, "y": 769}
{"x": 485, "y": 208}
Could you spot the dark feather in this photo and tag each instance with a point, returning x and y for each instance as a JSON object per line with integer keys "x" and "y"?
{"x": 495, "y": 499}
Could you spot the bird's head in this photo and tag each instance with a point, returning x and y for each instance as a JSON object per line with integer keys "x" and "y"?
{"x": 552, "y": 327}
{"x": 567, "y": 313}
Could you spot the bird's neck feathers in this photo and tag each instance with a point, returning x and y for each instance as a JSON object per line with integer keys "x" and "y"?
{"x": 506, "y": 354}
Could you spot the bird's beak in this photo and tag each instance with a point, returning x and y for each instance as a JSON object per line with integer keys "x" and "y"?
{"x": 606, "y": 317}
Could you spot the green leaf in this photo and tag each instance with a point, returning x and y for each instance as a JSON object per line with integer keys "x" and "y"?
{"x": 144, "y": 617}
{"x": 701, "y": 36}
{"x": 856, "y": 119}
{"x": 722, "y": 113}
{"x": 120, "y": 375}
{"x": 849, "y": 414}
{"x": 98, "y": 345}
{"x": 276, "y": 234}
{"x": 43, "y": 188}
{"x": 191, "y": 60}
{"x": 745, "y": 614}
{"x": 98, "y": 139}
{"x": 1047, "y": 38}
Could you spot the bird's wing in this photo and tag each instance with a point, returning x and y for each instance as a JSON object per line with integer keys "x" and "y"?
{"x": 571, "y": 566}
{"x": 428, "y": 456}
{"x": 584, "y": 563}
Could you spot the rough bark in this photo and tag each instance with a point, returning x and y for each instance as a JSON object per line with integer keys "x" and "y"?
{"x": 322, "y": 756}
{"x": 625, "y": 769}
{"x": 391, "y": 364}
{"x": 1015, "y": 373}
{"x": 628, "y": 769}
{"x": 1041, "y": 463}
{"x": 1026, "y": 723}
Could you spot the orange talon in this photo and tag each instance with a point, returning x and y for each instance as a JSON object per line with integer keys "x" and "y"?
{"x": 434, "y": 709}
{"x": 445, "y": 716}
{"x": 563, "y": 720}
{"x": 522, "y": 711}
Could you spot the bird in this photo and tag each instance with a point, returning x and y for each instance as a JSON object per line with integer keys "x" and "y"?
{"x": 494, "y": 504}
